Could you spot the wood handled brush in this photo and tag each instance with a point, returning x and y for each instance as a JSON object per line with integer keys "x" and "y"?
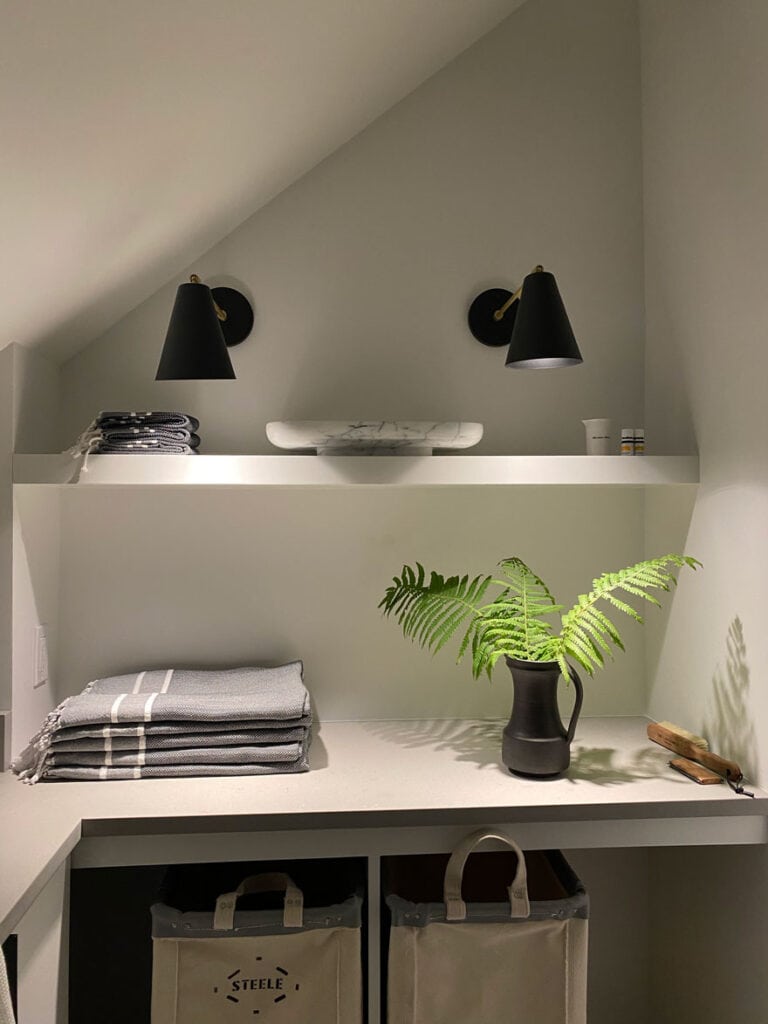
{"x": 696, "y": 772}
{"x": 682, "y": 742}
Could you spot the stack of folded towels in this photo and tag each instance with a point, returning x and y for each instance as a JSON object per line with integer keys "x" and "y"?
{"x": 167, "y": 723}
{"x": 136, "y": 433}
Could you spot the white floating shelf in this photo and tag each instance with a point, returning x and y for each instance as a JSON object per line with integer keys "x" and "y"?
{"x": 352, "y": 471}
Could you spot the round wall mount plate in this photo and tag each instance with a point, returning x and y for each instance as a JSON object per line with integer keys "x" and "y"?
{"x": 239, "y": 322}
{"x": 482, "y": 324}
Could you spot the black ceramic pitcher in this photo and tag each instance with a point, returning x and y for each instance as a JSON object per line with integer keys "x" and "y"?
{"x": 535, "y": 741}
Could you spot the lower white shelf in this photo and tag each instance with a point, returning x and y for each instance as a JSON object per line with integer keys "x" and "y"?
{"x": 374, "y": 788}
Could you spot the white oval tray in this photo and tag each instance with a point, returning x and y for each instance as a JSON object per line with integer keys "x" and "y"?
{"x": 372, "y": 437}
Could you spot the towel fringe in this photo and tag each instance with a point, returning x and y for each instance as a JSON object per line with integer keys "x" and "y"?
{"x": 32, "y": 763}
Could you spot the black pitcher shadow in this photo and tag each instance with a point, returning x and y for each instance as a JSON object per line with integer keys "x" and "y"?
{"x": 477, "y": 742}
{"x": 728, "y": 725}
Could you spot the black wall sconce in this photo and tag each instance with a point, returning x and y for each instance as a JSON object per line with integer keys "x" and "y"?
{"x": 532, "y": 321}
{"x": 204, "y": 323}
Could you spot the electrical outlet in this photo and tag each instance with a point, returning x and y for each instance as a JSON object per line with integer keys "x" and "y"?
{"x": 41, "y": 656}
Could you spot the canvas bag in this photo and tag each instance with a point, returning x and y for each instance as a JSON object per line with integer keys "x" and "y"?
{"x": 515, "y": 962}
{"x": 291, "y": 965}
{"x": 6, "y": 1009}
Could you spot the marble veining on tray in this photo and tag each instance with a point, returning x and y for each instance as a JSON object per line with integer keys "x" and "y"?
{"x": 373, "y": 437}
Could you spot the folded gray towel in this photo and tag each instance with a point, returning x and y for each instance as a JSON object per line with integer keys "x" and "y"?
{"x": 172, "y": 695}
{"x": 239, "y": 695}
{"x": 110, "y": 419}
{"x": 161, "y": 435}
{"x": 148, "y": 729}
{"x": 67, "y": 742}
{"x": 282, "y": 753}
{"x": 172, "y": 771}
{"x": 139, "y": 446}
{"x": 137, "y": 433}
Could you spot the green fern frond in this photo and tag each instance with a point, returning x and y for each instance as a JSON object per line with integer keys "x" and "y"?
{"x": 516, "y": 624}
{"x": 587, "y": 632}
{"x": 430, "y": 612}
{"x": 532, "y": 600}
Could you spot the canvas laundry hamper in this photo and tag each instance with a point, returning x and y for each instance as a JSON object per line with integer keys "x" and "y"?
{"x": 290, "y": 965}
{"x": 6, "y": 1008}
{"x": 520, "y": 961}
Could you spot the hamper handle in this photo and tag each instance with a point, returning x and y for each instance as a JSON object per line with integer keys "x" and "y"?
{"x": 455, "y": 907}
{"x": 276, "y": 881}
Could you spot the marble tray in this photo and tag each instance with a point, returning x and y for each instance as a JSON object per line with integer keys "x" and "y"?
{"x": 372, "y": 437}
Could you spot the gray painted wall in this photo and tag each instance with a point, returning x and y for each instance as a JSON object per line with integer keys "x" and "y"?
{"x": 361, "y": 274}
{"x": 524, "y": 150}
{"x": 705, "y": 79}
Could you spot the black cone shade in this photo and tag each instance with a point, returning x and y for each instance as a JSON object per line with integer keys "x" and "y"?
{"x": 194, "y": 345}
{"x": 542, "y": 335}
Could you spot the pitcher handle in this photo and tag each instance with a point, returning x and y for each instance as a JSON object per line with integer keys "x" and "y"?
{"x": 577, "y": 706}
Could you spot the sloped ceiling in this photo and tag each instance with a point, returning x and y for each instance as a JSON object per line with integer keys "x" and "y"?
{"x": 133, "y": 136}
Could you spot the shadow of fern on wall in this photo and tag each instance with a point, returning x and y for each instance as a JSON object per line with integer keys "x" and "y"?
{"x": 728, "y": 724}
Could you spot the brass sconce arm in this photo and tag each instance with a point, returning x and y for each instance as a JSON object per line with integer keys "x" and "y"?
{"x": 220, "y": 313}
{"x": 498, "y": 315}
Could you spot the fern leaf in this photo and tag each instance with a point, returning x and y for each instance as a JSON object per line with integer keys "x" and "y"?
{"x": 430, "y": 610}
{"x": 579, "y": 646}
{"x": 623, "y": 606}
{"x": 586, "y": 629}
{"x": 533, "y": 599}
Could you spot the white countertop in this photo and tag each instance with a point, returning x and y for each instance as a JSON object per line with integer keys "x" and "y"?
{"x": 364, "y": 774}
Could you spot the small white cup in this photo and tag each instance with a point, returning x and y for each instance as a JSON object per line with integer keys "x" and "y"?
{"x": 598, "y": 437}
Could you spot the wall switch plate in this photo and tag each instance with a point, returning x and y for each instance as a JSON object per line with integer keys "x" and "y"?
{"x": 41, "y": 656}
{"x": 5, "y": 740}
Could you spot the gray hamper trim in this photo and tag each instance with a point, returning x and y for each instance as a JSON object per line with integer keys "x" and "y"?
{"x": 168, "y": 923}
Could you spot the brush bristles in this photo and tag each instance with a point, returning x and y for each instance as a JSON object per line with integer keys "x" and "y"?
{"x": 698, "y": 741}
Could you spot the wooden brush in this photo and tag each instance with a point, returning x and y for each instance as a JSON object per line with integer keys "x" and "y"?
{"x": 694, "y": 771}
{"x": 673, "y": 738}
{"x": 698, "y": 740}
